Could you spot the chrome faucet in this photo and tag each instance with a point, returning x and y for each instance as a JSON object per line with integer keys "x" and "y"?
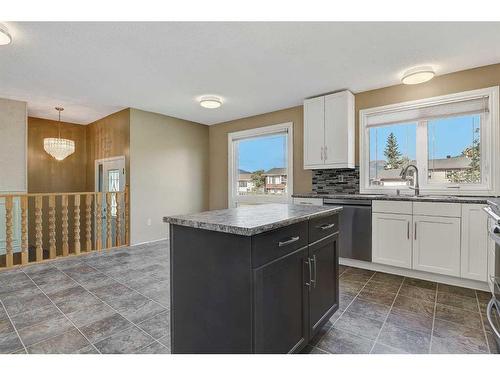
{"x": 403, "y": 174}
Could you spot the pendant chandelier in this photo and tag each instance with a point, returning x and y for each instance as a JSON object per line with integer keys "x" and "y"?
{"x": 59, "y": 148}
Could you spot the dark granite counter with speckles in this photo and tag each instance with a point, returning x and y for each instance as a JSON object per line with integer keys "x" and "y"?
{"x": 251, "y": 220}
{"x": 425, "y": 198}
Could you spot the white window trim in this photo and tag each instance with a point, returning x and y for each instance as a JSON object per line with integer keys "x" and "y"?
{"x": 490, "y": 143}
{"x": 233, "y": 198}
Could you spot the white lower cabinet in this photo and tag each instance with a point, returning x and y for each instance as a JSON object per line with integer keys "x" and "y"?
{"x": 391, "y": 239}
{"x": 474, "y": 254}
{"x": 436, "y": 244}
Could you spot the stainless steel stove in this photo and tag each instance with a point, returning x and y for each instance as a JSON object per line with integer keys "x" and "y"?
{"x": 493, "y": 309}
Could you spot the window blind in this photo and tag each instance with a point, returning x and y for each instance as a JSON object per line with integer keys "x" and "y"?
{"x": 429, "y": 111}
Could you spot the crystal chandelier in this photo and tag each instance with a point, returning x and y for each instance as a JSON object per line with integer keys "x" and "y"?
{"x": 59, "y": 148}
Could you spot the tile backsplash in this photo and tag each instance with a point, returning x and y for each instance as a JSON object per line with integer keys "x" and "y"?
{"x": 343, "y": 181}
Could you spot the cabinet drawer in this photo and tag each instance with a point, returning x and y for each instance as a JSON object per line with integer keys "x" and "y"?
{"x": 392, "y": 207}
{"x": 323, "y": 226}
{"x": 274, "y": 244}
{"x": 308, "y": 201}
{"x": 437, "y": 209}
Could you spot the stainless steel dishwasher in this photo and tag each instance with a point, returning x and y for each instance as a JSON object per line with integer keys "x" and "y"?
{"x": 355, "y": 228}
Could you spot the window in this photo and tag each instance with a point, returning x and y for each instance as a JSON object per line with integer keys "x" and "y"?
{"x": 453, "y": 140}
{"x": 113, "y": 185}
{"x": 260, "y": 165}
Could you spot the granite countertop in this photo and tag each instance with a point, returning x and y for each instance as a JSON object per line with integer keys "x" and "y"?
{"x": 251, "y": 220}
{"x": 428, "y": 198}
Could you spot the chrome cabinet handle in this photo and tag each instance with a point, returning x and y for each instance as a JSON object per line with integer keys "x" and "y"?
{"x": 288, "y": 242}
{"x": 326, "y": 152}
{"x": 326, "y": 226}
{"x": 308, "y": 262}
{"x": 408, "y": 230}
{"x": 488, "y": 315}
{"x": 322, "y": 153}
{"x": 313, "y": 279}
{"x": 415, "y": 230}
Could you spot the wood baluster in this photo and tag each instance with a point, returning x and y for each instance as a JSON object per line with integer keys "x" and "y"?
{"x": 109, "y": 240}
{"x": 88, "y": 222}
{"x": 98, "y": 221}
{"x": 24, "y": 229}
{"x": 52, "y": 226}
{"x": 9, "y": 257}
{"x": 64, "y": 225}
{"x": 118, "y": 240}
{"x": 38, "y": 228}
{"x": 76, "y": 223}
{"x": 127, "y": 226}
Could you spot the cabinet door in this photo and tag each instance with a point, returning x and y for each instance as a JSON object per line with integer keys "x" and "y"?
{"x": 314, "y": 132}
{"x": 391, "y": 239}
{"x": 474, "y": 247}
{"x": 436, "y": 244}
{"x": 339, "y": 130}
{"x": 280, "y": 304}
{"x": 324, "y": 291}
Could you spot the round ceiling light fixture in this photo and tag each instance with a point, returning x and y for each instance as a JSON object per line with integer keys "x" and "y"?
{"x": 418, "y": 75}
{"x": 5, "y": 37}
{"x": 210, "y": 102}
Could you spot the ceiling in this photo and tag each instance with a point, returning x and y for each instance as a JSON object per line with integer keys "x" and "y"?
{"x": 94, "y": 69}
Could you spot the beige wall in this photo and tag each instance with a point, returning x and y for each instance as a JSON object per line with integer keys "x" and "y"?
{"x": 168, "y": 171}
{"x": 455, "y": 82}
{"x": 48, "y": 175}
{"x": 13, "y": 155}
{"x": 218, "y": 151}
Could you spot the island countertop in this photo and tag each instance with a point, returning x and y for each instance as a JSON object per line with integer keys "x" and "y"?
{"x": 251, "y": 220}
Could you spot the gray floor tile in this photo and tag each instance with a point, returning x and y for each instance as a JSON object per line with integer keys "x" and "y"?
{"x": 459, "y": 316}
{"x": 6, "y": 327}
{"x": 14, "y": 281}
{"x": 411, "y": 291}
{"x": 387, "y": 278}
{"x": 10, "y": 343}
{"x": 459, "y": 301}
{"x": 165, "y": 341}
{"x": 444, "y": 346}
{"x": 31, "y": 317}
{"x": 350, "y": 286}
{"x": 345, "y": 298}
{"x": 360, "y": 271}
{"x": 158, "y": 326}
{"x": 404, "y": 339}
{"x": 384, "y": 349}
{"x": 128, "y": 341}
{"x": 16, "y": 305}
{"x": 382, "y": 287}
{"x": 353, "y": 277}
{"x": 141, "y": 313}
{"x": 103, "y": 328}
{"x": 369, "y": 309}
{"x": 414, "y": 322}
{"x": 69, "y": 342}
{"x": 359, "y": 325}
{"x": 414, "y": 305}
{"x": 466, "y": 292}
{"x": 45, "y": 329}
{"x": 337, "y": 341}
{"x": 461, "y": 335}
{"x": 154, "y": 348}
{"x": 383, "y": 298}
{"x": 90, "y": 313}
{"x": 88, "y": 350}
{"x": 420, "y": 283}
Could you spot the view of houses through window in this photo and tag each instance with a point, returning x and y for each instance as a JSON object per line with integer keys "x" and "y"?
{"x": 452, "y": 147}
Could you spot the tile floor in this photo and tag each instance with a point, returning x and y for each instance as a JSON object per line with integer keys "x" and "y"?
{"x": 118, "y": 302}
{"x": 112, "y": 302}
{"x": 382, "y": 313}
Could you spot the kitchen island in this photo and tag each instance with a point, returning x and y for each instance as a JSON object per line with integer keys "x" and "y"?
{"x": 252, "y": 279}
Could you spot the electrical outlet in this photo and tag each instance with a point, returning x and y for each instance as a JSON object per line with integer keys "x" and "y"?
{"x": 148, "y": 222}
{"x": 341, "y": 178}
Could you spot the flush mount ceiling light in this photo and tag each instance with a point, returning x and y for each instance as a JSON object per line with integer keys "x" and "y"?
{"x": 5, "y": 37}
{"x": 418, "y": 75}
{"x": 210, "y": 102}
{"x": 59, "y": 148}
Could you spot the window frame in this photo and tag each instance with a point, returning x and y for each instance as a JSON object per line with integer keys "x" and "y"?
{"x": 489, "y": 136}
{"x": 233, "y": 197}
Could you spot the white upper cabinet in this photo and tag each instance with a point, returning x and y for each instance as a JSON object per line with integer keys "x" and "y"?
{"x": 329, "y": 131}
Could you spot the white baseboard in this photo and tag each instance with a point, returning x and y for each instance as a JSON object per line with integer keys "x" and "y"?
{"x": 457, "y": 281}
{"x": 148, "y": 242}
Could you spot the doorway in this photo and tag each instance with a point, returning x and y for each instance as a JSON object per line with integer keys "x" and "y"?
{"x": 110, "y": 177}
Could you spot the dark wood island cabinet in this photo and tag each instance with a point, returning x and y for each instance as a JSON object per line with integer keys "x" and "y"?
{"x": 254, "y": 279}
